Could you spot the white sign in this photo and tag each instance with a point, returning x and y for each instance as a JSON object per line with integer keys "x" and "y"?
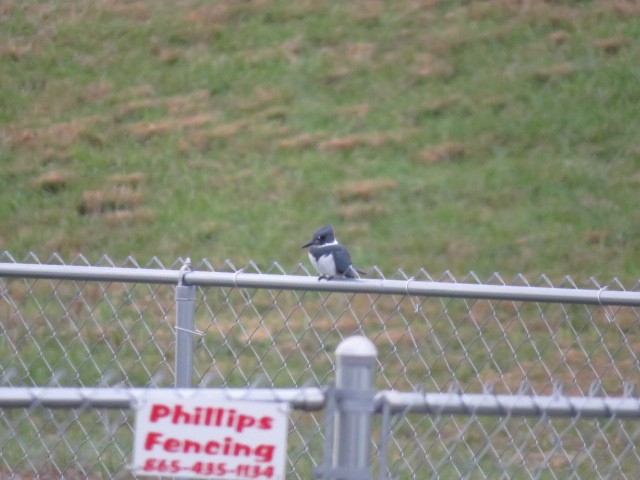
{"x": 199, "y": 438}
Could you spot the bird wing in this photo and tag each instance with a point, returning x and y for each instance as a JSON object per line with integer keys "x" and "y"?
{"x": 343, "y": 262}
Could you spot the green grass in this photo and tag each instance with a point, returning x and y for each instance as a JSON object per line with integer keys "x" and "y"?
{"x": 462, "y": 136}
{"x": 494, "y": 137}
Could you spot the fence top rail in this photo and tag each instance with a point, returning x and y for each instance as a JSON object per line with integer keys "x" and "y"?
{"x": 88, "y": 273}
{"x": 309, "y": 398}
{"x": 240, "y": 279}
{"x": 508, "y": 405}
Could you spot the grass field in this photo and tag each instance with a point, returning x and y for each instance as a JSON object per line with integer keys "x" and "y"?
{"x": 480, "y": 136}
{"x": 485, "y": 136}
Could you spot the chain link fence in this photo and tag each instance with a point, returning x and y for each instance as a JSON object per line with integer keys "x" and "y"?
{"x": 83, "y": 333}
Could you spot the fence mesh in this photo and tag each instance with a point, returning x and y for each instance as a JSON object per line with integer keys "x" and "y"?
{"x": 71, "y": 333}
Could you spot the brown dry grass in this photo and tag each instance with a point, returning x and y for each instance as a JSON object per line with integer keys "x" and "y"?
{"x": 301, "y": 141}
{"x": 364, "y": 189}
{"x": 427, "y": 65}
{"x": 622, "y": 8}
{"x": 98, "y": 92}
{"x": 445, "y": 151}
{"x": 559, "y": 37}
{"x": 96, "y": 202}
{"x": 136, "y": 9}
{"x": 56, "y": 135}
{"x": 14, "y": 51}
{"x": 133, "y": 179}
{"x": 350, "y": 142}
{"x": 53, "y": 181}
{"x": 145, "y": 130}
{"x": 554, "y": 72}
{"x": 611, "y": 45}
{"x": 442, "y": 105}
{"x": 121, "y": 200}
{"x": 358, "y": 211}
{"x": 143, "y": 99}
{"x": 261, "y": 98}
{"x": 134, "y": 92}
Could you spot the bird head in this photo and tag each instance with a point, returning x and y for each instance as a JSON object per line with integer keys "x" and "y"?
{"x": 322, "y": 236}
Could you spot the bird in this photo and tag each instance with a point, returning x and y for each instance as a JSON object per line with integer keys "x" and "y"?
{"x": 329, "y": 257}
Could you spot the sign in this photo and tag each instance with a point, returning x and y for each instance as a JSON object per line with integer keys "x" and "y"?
{"x": 199, "y": 438}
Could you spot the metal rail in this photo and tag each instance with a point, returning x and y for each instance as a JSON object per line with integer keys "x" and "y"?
{"x": 308, "y": 399}
{"x": 509, "y": 405}
{"x": 313, "y": 398}
{"x": 240, "y": 279}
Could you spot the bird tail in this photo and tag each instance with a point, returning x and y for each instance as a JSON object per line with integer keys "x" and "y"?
{"x": 354, "y": 272}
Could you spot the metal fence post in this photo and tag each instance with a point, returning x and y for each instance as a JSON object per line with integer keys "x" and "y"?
{"x": 185, "y": 305}
{"x": 356, "y": 359}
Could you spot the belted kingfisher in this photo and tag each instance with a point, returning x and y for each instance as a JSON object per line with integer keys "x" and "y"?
{"x": 330, "y": 258}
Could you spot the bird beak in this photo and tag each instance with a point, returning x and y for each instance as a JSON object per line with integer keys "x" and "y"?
{"x": 308, "y": 244}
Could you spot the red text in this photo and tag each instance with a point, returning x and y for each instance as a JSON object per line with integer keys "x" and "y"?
{"x": 208, "y": 416}
{"x": 226, "y": 447}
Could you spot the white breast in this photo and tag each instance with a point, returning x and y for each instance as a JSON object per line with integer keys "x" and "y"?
{"x": 325, "y": 265}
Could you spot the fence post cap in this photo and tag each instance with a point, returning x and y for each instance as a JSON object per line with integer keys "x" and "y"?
{"x": 356, "y": 346}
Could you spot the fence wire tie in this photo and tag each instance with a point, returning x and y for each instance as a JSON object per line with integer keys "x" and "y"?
{"x": 184, "y": 270}
{"x": 7, "y": 375}
{"x": 595, "y": 388}
{"x": 247, "y": 299}
{"x": 416, "y": 304}
{"x": 260, "y": 381}
{"x": 628, "y": 389}
{"x": 194, "y": 332}
{"x": 187, "y": 393}
{"x": 610, "y": 318}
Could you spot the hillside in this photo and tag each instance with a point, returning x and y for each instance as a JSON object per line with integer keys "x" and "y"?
{"x": 465, "y": 136}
